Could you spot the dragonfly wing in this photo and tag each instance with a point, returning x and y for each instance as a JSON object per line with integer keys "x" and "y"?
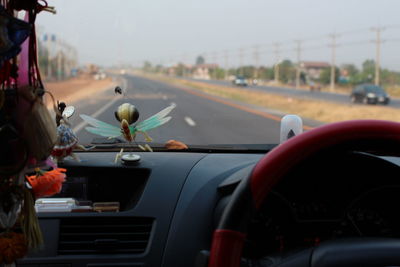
{"x": 104, "y": 132}
{"x": 154, "y": 124}
{"x": 100, "y": 127}
{"x": 155, "y": 120}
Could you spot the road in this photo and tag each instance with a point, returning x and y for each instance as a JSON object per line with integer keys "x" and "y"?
{"x": 197, "y": 119}
{"x": 334, "y": 97}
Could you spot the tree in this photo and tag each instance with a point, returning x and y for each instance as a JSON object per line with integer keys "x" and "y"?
{"x": 158, "y": 68}
{"x": 266, "y": 73}
{"x": 390, "y": 77}
{"x": 368, "y": 66}
{"x": 287, "y": 71}
{"x": 147, "y": 66}
{"x": 217, "y": 73}
{"x": 246, "y": 71}
{"x": 325, "y": 76}
{"x": 367, "y": 73}
{"x": 351, "y": 69}
{"x": 200, "y": 60}
{"x": 180, "y": 70}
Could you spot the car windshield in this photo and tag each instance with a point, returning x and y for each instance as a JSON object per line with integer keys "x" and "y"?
{"x": 374, "y": 89}
{"x": 298, "y": 57}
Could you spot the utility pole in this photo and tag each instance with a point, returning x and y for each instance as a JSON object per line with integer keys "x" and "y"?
{"x": 226, "y": 63}
{"x": 277, "y": 61}
{"x": 378, "y": 43}
{"x": 256, "y": 61}
{"x": 298, "y": 50}
{"x": 215, "y": 56}
{"x": 183, "y": 65}
{"x": 333, "y": 60}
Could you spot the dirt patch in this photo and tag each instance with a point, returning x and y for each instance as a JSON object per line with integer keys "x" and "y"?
{"x": 319, "y": 110}
{"x": 76, "y": 89}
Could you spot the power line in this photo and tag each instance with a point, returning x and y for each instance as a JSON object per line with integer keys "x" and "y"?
{"x": 355, "y": 43}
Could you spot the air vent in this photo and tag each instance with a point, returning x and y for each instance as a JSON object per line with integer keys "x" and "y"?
{"x": 104, "y": 235}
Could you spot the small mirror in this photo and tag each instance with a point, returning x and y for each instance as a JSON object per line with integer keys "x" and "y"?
{"x": 69, "y": 111}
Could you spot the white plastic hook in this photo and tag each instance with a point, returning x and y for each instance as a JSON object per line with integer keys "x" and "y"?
{"x": 291, "y": 125}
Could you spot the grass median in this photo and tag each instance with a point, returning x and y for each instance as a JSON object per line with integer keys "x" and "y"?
{"x": 323, "y": 111}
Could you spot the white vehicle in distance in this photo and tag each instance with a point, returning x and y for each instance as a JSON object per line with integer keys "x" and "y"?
{"x": 240, "y": 81}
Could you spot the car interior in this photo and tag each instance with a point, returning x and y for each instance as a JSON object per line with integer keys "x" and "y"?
{"x": 317, "y": 196}
{"x": 333, "y": 197}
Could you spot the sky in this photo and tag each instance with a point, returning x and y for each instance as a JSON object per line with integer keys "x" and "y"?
{"x": 112, "y": 32}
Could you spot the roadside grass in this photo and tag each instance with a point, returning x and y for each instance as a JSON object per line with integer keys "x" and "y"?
{"x": 323, "y": 111}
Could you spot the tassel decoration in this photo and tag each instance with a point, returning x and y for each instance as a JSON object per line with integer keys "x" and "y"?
{"x": 30, "y": 222}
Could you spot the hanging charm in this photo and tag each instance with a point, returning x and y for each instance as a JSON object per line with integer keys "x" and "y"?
{"x": 67, "y": 140}
{"x": 13, "y": 32}
{"x": 47, "y": 183}
{"x": 39, "y": 128}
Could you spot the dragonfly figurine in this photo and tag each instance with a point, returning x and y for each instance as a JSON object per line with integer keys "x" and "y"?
{"x": 127, "y": 115}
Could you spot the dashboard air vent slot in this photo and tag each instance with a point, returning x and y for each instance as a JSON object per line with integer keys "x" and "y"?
{"x": 104, "y": 235}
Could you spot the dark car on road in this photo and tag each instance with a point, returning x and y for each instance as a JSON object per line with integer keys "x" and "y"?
{"x": 369, "y": 94}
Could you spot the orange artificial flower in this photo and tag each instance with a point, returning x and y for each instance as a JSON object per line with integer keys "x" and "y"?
{"x": 46, "y": 184}
{"x": 12, "y": 247}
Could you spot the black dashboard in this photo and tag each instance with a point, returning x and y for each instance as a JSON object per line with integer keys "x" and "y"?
{"x": 170, "y": 203}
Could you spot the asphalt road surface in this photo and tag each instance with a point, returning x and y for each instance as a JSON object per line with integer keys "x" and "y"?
{"x": 340, "y": 98}
{"x": 198, "y": 119}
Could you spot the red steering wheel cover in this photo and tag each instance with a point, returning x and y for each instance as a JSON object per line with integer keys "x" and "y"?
{"x": 271, "y": 168}
{"x": 227, "y": 243}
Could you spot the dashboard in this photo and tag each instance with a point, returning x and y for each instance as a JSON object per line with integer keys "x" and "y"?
{"x": 343, "y": 195}
{"x": 170, "y": 203}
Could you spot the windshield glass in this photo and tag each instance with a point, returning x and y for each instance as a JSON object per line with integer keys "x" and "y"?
{"x": 291, "y": 57}
{"x": 373, "y": 89}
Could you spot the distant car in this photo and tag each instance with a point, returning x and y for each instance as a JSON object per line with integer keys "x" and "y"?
{"x": 369, "y": 94}
{"x": 240, "y": 81}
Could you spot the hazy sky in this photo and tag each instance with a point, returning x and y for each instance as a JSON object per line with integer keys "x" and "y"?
{"x": 162, "y": 31}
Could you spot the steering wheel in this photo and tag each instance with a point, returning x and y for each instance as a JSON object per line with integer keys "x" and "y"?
{"x": 228, "y": 238}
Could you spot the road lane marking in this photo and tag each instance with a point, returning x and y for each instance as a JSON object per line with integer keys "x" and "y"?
{"x": 82, "y": 124}
{"x": 189, "y": 121}
{"x": 228, "y": 103}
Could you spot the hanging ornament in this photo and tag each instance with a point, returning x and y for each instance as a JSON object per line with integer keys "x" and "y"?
{"x": 67, "y": 140}
{"x": 13, "y": 246}
{"x": 13, "y": 32}
{"x": 11, "y": 196}
{"x": 39, "y": 129}
{"x": 47, "y": 183}
{"x": 28, "y": 5}
{"x": 5, "y": 42}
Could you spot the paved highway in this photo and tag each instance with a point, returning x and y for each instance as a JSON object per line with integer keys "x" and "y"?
{"x": 197, "y": 119}
{"x": 340, "y": 98}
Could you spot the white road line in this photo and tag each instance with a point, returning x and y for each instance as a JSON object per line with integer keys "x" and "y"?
{"x": 82, "y": 124}
{"x": 190, "y": 122}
